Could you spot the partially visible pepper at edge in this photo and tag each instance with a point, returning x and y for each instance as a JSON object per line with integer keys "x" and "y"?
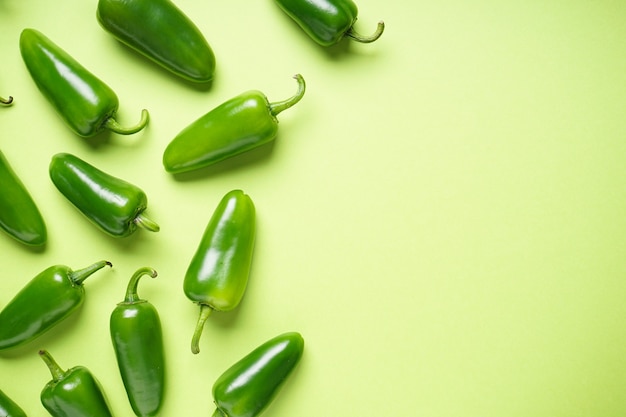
{"x": 9, "y": 408}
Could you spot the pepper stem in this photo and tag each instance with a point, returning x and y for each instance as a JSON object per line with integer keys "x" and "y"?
{"x": 205, "y": 312}
{"x": 114, "y": 126}
{"x": 79, "y": 276}
{"x": 145, "y": 223}
{"x": 131, "y": 290}
{"x": 55, "y": 369}
{"x": 279, "y": 106}
{"x": 367, "y": 39}
{"x": 6, "y": 101}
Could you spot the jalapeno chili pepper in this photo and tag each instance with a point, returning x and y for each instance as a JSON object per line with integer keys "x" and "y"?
{"x": 74, "y": 392}
{"x": 19, "y": 215}
{"x": 9, "y": 408}
{"x": 327, "y": 21}
{"x": 85, "y": 103}
{"x": 250, "y": 385}
{"x": 112, "y": 204}
{"x": 50, "y": 297}
{"x": 238, "y": 125}
{"x": 159, "y": 30}
{"x": 217, "y": 275}
{"x": 6, "y": 101}
{"x": 137, "y": 339}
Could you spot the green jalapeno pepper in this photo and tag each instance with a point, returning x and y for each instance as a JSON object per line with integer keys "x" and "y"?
{"x": 137, "y": 339}
{"x": 73, "y": 393}
{"x": 217, "y": 275}
{"x": 112, "y": 204}
{"x": 327, "y": 21}
{"x": 159, "y": 30}
{"x": 238, "y": 125}
{"x": 250, "y": 385}
{"x": 9, "y": 408}
{"x": 50, "y": 297}
{"x": 6, "y": 101}
{"x": 19, "y": 215}
{"x": 84, "y": 102}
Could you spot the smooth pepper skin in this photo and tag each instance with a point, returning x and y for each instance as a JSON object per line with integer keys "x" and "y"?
{"x": 159, "y": 30}
{"x": 327, "y": 21}
{"x": 137, "y": 339}
{"x": 217, "y": 276}
{"x": 46, "y": 300}
{"x": 73, "y": 393}
{"x": 9, "y": 408}
{"x": 236, "y": 126}
{"x": 250, "y": 385}
{"x": 19, "y": 215}
{"x": 112, "y": 204}
{"x": 86, "y": 104}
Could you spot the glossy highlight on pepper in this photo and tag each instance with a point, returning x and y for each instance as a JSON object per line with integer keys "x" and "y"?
{"x": 137, "y": 338}
{"x": 217, "y": 276}
{"x": 159, "y": 30}
{"x": 114, "y": 205}
{"x": 86, "y": 104}
{"x": 236, "y": 126}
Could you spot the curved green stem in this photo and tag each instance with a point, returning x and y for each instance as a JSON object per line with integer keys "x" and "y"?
{"x": 114, "y": 126}
{"x": 6, "y": 101}
{"x": 131, "y": 290}
{"x": 367, "y": 39}
{"x": 79, "y": 276}
{"x": 205, "y": 312}
{"x": 145, "y": 223}
{"x": 55, "y": 369}
{"x": 279, "y": 106}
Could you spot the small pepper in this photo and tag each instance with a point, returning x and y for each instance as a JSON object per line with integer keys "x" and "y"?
{"x": 327, "y": 21}
{"x": 50, "y": 297}
{"x": 238, "y": 125}
{"x": 217, "y": 275}
{"x": 85, "y": 103}
{"x": 73, "y": 393}
{"x": 19, "y": 215}
{"x": 138, "y": 343}
{"x": 9, "y": 408}
{"x": 159, "y": 30}
{"x": 6, "y": 101}
{"x": 250, "y": 385}
{"x": 112, "y": 204}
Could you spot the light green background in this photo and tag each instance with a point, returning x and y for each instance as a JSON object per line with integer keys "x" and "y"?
{"x": 442, "y": 216}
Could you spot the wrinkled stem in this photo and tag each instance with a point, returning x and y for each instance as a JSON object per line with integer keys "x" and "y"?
{"x": 367, "y": 39}
{"x": 131, "y": 290}
{"x": 145, "y": 223}
{"x": 205, "y": 312}
{"x": 79, "y": 276}
{"x": 279, "y": 106}
{"x": 114, "y": 126}
{"x": 55, "y": 370}
{"x": 6, "y": 101}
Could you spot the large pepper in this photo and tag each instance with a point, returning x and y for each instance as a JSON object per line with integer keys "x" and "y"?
{"x": 19, "y": 215}
{"x": 9, "y": 408}
{"x": 328, "y": 21}
{"x": 138, "y": 343}
{"x": 73, "y": 393}
{"x": 159, "y": 30}
{"x": 6, "y": 101}
{"x": 50, "y": 297}
{"x": 238, "y": 125}
{"x": 250, "y": 385}
{"x": 112, "y": 204}
{"x": 217, "y": 275}
{"x": 85, "y": 103}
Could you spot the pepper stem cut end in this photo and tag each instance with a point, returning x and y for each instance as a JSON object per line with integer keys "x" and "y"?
{"x": 81, "y": 275}
{"x": 131, "y": 290}
{"x": 205, "y": 312}
{"x": 6, "y": 101}
{"x": 367, "y": 39}
{"x": 55, "y": 370}
{"x": 145, "y": 223}
{"x": 114, "y": 126}
{"x": 279, "y": 106}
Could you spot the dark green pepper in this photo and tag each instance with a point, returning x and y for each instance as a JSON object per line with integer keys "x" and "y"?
{"x": 9, "y": 408}
{"x": 73, "y": 393}
{"x": 85, "y": 103}
{"x": 137, "y": 339}
{"x": 159, "y": 30}
{"x": 327, "y": 21}
{"x": 238, "y": 125}
{"x": 112, "y": 204}
{"x": 250, "y": 385}
{"x": 45, "y": 301}
{"x": 217, "y": 275}
{"x": 6, "y": 101}
{"x": 19, "y": 215}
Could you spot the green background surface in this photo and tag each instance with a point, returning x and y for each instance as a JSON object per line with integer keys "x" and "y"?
{"x": 441, "y": 216}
